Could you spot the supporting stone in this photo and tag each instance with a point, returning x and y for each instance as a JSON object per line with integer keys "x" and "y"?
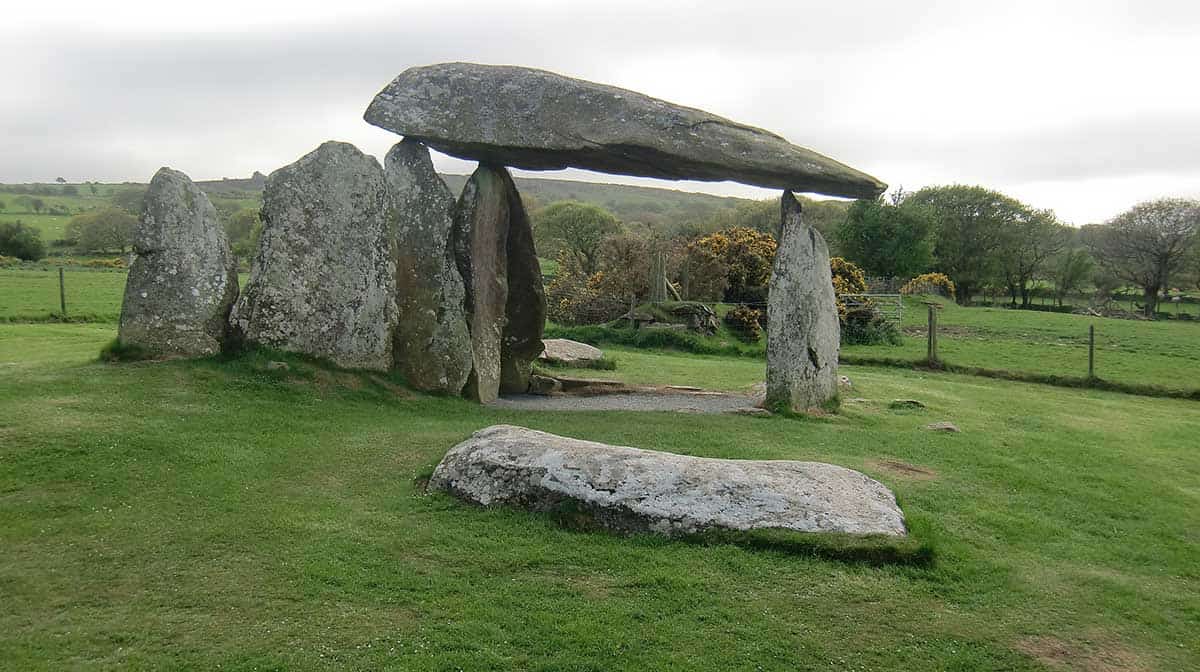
{"x": 432, "y": 347}
{"x": 481, "y": 252}
{"x": 525, "y": 310}
{"x": 324, "y": 280}
{"x": 183, "y": 280}
{"x": 803, "y": 334}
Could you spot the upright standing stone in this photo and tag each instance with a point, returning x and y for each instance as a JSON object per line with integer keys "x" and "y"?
{"x": 803, "y": 335}
{"x": 184, "y": 279}
{"x": 324, "y": 278}
{"x": 481, "y": 251}
{"x": 525, "y": 309}
{"x": 432, "y": 344}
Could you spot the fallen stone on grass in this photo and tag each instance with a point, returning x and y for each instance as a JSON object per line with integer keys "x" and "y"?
{"x": 943, "y": 427}
{"x": 278, "y": 366}
{"x": 544, "y": 385}
{"x": 567, "y": 352}
{"x": 906, "y": 404}
{"x": 590, "y": 385}
{"x": 631, "y": 490}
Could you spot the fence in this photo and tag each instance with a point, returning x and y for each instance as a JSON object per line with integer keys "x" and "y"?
{"x": 890, "y": 306}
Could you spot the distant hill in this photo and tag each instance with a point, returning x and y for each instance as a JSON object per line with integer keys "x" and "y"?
{"x": 630, "y": 204}
{"x": 665, "y": 211}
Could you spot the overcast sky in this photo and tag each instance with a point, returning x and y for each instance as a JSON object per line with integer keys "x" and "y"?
{"x": 1083, "y": 107}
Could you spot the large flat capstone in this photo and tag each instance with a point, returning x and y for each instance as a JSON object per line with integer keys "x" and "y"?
{"x": 539, "y": 120}
{"x": 634, "y": 490}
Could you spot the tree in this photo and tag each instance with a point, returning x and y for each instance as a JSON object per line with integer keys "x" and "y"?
{"x": 60, "y": 180}
{"x": 101, "y": 230}
{"x": 748, "y": 255}
{"x": 888, "y": 240}
{"x": 129, "y": 199}
{"x": 92, "y": 188}
{"x": 1029, "y": 240}
{"x": 1147, "y": 244}
{"x": 37, "y": 204}
{"x": 575, "y": 228}
{"x": 243, "y": 229}
{"x": 1069, "y": 271}
{"x": 971, "y": 222}
{"x": 20, "y": 241}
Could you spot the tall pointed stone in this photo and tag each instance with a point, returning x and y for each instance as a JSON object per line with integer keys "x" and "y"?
{"x": 481, "y": 252}
{"x": 525, "y": 310}
{"x": 803, "y": 335}
{"x": 184, "y": 279}
{"x": 324, "y": 277}
{"x": 432, "y": 347}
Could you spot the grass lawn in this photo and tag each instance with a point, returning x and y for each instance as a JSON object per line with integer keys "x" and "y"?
{"x": 1164, "y": 352}
{"x": 205, "y": 515}
{"x": 33, "y": 295}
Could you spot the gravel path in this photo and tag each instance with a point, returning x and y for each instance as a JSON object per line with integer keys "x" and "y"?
{"x": 630, "y": 401}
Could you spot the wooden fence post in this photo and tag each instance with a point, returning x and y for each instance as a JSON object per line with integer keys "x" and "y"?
{"x": 62, "y": 293}
{"x": 932, "y": 354}
{"x": 1091, "y": 351}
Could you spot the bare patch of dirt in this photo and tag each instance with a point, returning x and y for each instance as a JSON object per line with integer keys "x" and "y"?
{"x": 1097, "y": 653}
{"x": 327, "y": 381}
{"x": 903, "y": 469}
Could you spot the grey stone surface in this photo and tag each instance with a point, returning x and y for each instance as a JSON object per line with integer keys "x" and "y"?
{"x": 633, "y": 490}
{"x": 183, "y": 279}
{"x": 481, "y": 253}
{"x": 540, "y": 120}
{"x": 803, "y": 335}
{"x": 323, "y": 281}
{"x": 432, "y": 346}
{"x": 943, "y": 427}
{"x": 525, "y": 308}
{"x": 543, "y": 385}
{"x": 566, "y": 351}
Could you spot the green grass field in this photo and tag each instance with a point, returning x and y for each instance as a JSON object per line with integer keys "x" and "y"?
{"x": 53, "y": 226}
{"x": 33, "y": 295}
{"x": 1164, "y": 352}
{"x": 205, "y": 515}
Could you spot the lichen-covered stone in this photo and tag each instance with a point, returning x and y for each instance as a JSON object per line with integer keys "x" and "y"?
{"x": 432, "y": 343}
{"x": 803, "y": 335}
{"x": 481, "y": 253}
{"x": 566, "y": 351}
{"x": 527, "y": 118}
{"x": 323, "y": 281}
{"x": 183, "y": 280}
{"x": 632, "y": 490}
{"x": 525, "y": 309}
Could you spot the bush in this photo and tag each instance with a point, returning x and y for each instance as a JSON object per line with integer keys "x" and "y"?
{"x": 865, "y": 326}
{"x": 101, "y": 230}
{"x": 930, "y": 283}
{"x": 746, "y": 322}
{"x": 575, "y": 297}
{"x": 747, "y": 255}
{"x": 114, "y": 262}
{"x": 23, "y": 242}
